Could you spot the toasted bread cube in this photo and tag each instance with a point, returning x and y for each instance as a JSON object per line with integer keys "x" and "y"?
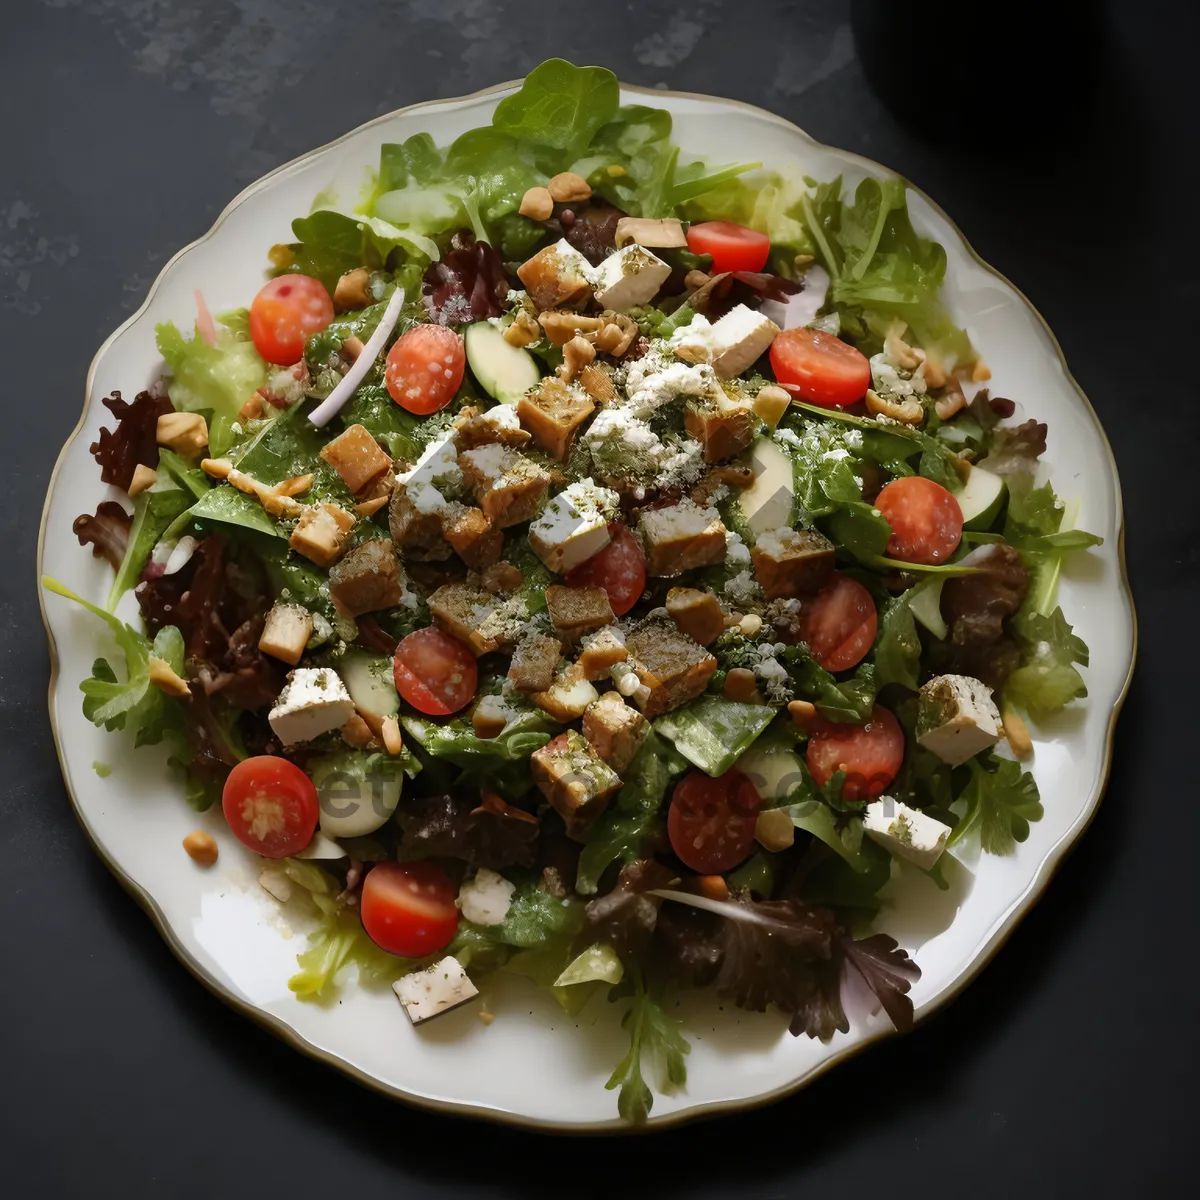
{"x": 498, "y": 425}
{"x": 603, "y": 650}
{"x": 681, "y": 537}
{"x": 553, "y": 415}
{"x": 508, "y": 486}
{"x": 672, "y": 667}
{"x": 534, "y": 663}
{"x": 557, "y": 277}
{"x": 615, "y": 730}
{"x": 698, "y": 614}
{"x": 792, "y": 562}
{"x": 574, "y": 779}
{"x": 664, "y": 233}
{"x": 321, "y": 532}
{"x": 418, "y": 533}
{"x": 597, "y": 381}
{"x": 357, "y": 457}
{"x": 367, "y": 579}
{"x": 475, "y": 538}
{"x": 575, "y": 611}
{"x": 567, "y": 697}
{"x": 724, "y": 429}
{"x": 771, "y": 402}
{"x": 462, "y": 611}
{"x": 184, "y": 432}
{"x": 286, "y": 632}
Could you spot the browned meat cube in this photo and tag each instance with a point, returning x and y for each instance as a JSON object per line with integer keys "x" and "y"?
{"x": 672, "y": 667}
{"x": 724, "y": 429}
{"x": 357, "y": 457}
{"x": 567, "y": 697}
{"x": 554, "y": 414}
{"x": 508, "y": 486}
{"x": 615, "y": 730}
{"x": 479, "y": 620}
{"x": 602, "y": 651}
{"x": 417, "y": 534}
{"x": 367, "y": 579}
{"x": 556, "y": 277}
{"x": 534, "y": 663}
{"x": 792, "y": 562}
{"x": 575, "y": 611}
{"x": 286, "y": 632}
{"x": 680, "y": 537}
{"x": 476, "y": 540}
{"x": 497, "y": 425}
{"x": 320, "y": 533}
{"x": 574, "y": 779}
{"x": 698, "y": 614}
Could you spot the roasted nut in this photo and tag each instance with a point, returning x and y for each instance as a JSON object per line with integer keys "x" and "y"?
{"x": 393, "y": 742}
{"x": 802, "y": 713}
{"x": 501, "y": 577}
{"x": 1017, "y": 733}
{"x": 898, "y": 350}
{"x": 352, "y": 347}
{"x": 560, "y": 326}
{"x": 740, "y": 685}
{"x": 357, "y": 733}
{"x": 537, "y": 204}
{"x": 368, "y": 508}
{"x": 567, "y": 187}
{"x": 353, "y": 290}
{"x": 694, "y": 280}
{"x": 523, "y": 331}
{"x": 577, "y": 354}
{"x": 712, "y": 886}
{"x": 951, "y": 402}
{"x": 184, "y": 432}
{"x": 774, "y": 830}
{"x": 143, "y": 477}
{"x": 616, "y": 334}
{"x": 201, "y": 848}
{"x": 907, "y": 412}
{"x": 252, "y": 409}
{"x": 981, "y": 372}
{"x": 664, "y": 233}
{"x": 166, "y": 679}
{"x": 751, "y": 625}
{"x": 935, "y": 373}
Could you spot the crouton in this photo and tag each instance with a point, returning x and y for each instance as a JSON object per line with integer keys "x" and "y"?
{"x": 478, "y": 619}
{"x": 698, "y": 614}
{"x": 598, "y": 383}
{"x": 603, "y": 650}
{"x": 574, "y": 779}
{"x": 554, "y": 414}
{"x": 556, "y": 277}
{"x": 672, "y": 667}
{"x": 498, "y": 425}
{"x": 357, "y": 457}
{"x": 321, "y": 532}
{"x": 534, "y": 663}
{"x": 567, "y": 697}
{"x": 681, "y": 536}
{"x": 367, "y": 579}
{"x": 792, "y": 562}
{"x": 724, "y": 429}
{"x": 418, "y": 534}
{"x": 475, "y": 538}
{"x": 489, "y": 717}
{"x": 353, "y": 290}
{"x": 508, "y": 486}
{"x": 286, "y": 632}
{"x": 575, "y": 611}
{"x": 615, "y": 730}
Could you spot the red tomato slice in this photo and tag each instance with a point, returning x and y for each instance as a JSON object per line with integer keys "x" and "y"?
{"x": 819, "y": 367}
{"x": 711, "y": 821}
{"x": 408, "y": 908}
{"x": 733, "y": 247}
{"x": 870, "y": 754}
{"x": 434, "y": 672}
{"x": 839, "y": 624}
{"x": 285, "y": 314}
{"x": 926, "y": 521}
{"x": 620, "y": 569}
{"x": 425, "y": 368}
{"x": 270, "y": 805}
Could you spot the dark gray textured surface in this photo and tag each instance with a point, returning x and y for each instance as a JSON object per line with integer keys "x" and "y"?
{"x": 1065, "y": 1070}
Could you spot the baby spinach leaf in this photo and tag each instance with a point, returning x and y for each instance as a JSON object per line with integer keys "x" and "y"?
{"x": 560, "y": 105}
{"x": 859, "y": 528}
{"x": 897, "y": 644}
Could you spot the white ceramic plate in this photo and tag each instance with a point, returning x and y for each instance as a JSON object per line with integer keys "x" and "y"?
{"x": 533, "y": 1065}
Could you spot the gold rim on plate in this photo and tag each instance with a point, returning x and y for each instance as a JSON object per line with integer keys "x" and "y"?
{"x": 281, "y": 1028}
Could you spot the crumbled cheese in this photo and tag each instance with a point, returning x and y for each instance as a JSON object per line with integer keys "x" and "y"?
{"x": 743, "y": 589}
{"x": 486, "y": 899}
{"x": 649, "y": 391}
{"x": 774, "y": 680}
{"x": 889, "y": 377}
{"x": 737, "y": 553}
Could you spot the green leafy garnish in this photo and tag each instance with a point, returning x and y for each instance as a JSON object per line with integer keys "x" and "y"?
{"x": 560, "y": 105}
{"x": 1000, "y": 801}
{"x": 653, "y": 1033}
{"x": 1047, "y": 679}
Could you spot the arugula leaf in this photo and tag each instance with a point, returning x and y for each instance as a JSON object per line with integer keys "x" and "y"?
{"x": 712, "y": 733}
{"x": 898, "y": 645}
{"x": 653, "y": 1033}
{"x": 850, "y": 700}
{"x": 1000, "y": 801}
{"x": 560, "y": 105}
{"x": 1047, "y": 680}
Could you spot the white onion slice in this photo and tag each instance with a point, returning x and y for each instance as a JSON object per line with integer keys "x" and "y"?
{"x": 330, "y": 407}
{"x": 181, "y": 555}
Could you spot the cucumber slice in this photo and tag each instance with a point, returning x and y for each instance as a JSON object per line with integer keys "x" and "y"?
{"x": 505, "y": 372}
{"x": 926, "y": 605}
{"x": 358, "y": 792}
{"x": 368, "y": 679}
{"x": 770, "y": 501}
{"x": 774, "y": 770}
{"x": 981, "y": 498}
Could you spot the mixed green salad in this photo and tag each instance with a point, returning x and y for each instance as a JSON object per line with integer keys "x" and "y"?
{"x": 589, "y": 563}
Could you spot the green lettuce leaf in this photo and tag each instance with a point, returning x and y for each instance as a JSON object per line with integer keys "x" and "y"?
{"x": 1047, "y": 679}
{"x": 365, "y": 240}
{"x": 712, "y": 733}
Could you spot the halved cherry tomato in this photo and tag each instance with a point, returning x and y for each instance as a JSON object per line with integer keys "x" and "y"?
{"x": 435, "y": 672}
{"x": 839, "y": 624}
{"x": 711, "y": 821}
{"x": 620, "y": 569}
{"x": 425, "y": 368}
{"x": 819, "y": 367}
{"x": 270, "y": 805}
{"x": 408, "y": 908}
{"x": 926, "y": 521}
{"x": 285, "y": 314}
{"x": 733, "y": 247}
{"x": 870, "y": 754}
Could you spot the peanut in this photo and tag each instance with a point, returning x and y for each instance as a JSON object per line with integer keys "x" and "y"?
{"x": 537, "y": 204}
{"x": 201, "y": 848}
{"x": 567, "y": 187}
{"x": 907, "y": 412}
{"x": 143, "y": 477}
{"x": 577, "y": 354}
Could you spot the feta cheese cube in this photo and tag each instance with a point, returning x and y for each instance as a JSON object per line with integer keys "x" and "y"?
{"x": 486, "y": 899}
{"x": 436, "y": 990}
{"x": 629, "y": 277}
{"x": 732, "y": 344}
{"x": 314, "y": 701}
{"x": 574, "y": 525}
{"x": 957, "y": 718}
{"x": 905, "y": 832}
